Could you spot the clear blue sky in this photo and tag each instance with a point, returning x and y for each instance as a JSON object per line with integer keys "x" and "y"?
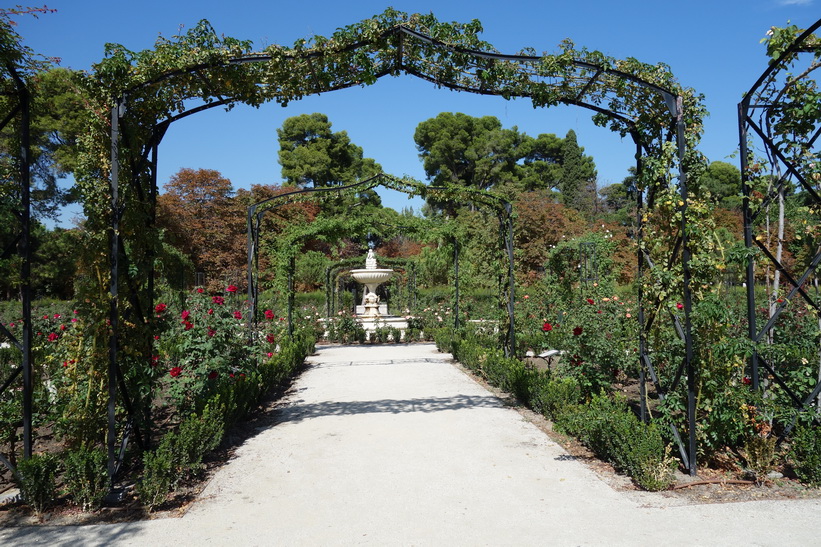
{"x": 710, "y": 46}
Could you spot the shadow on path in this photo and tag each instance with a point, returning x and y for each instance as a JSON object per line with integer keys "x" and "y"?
{"x": 299, "y": 411}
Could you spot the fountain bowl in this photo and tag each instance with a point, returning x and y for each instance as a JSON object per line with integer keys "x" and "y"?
{"x": 372, "y": 277}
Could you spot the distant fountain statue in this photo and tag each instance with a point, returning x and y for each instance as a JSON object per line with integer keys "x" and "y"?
{"x": 372, "y": 276}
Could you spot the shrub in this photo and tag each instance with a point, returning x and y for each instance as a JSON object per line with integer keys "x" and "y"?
{"x": 805, "y": 454}
{"x": 616, "y": 435}
{"x": 158, "y": 477}
{"x": 554, "y": 395}
{"x": 760, "y": 454}
{"x": 86, "y": 477}
{"x": 196, "y": 436}
{"x": 180, "y": 453}
{"x": 36, "y": 480}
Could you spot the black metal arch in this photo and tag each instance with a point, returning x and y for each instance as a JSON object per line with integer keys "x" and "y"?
{"x": 502, "y": 207}
{"x": 388, "y": 55}
{"x": 756, "y": 102}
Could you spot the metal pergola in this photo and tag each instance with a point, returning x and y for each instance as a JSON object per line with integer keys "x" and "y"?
{"x": 756, "y": 113}
{"x": 398, "y": 50}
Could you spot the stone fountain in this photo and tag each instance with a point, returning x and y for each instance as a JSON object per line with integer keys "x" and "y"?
{"x": 372, "y": 313}
{"x": 371, "y": 276}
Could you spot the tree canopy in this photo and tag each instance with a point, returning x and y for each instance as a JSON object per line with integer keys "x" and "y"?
{"x": 461, "y": 150}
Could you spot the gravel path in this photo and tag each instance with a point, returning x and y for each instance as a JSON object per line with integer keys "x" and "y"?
{"x": 393, "y": 445}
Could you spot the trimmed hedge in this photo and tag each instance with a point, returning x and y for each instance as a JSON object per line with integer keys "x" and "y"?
{"x": 805, "y": 454}
{"x": 610, "y": 429}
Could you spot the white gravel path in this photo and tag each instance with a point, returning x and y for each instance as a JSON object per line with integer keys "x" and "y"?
{"x": 393, "y": 445}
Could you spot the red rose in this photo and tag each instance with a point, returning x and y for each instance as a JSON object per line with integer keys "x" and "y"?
{"x": 188, "y": 325}
{"x": 53, "y": 337}
{"x": 237, "y": 315}
{"x": 200, "y": 290}
{"x": 270, "y": 337}
{"x": 547, "y": 327}
{"x": 231, "y": 289}
{"x": 57, "y": 316}
{"x": 174, "y": 372}
{"x": 218, "y": 300}
{"x": 590, "y": 301}
{"x": 159, "y": 308}
{"x": 185, "y": 314}
{"x": 746, "y": 381}
{"x": 577, "y": 331}
{"x": 269, "y": 315}
{"x": 679, "y": 305}
{"x": 211, "y": 332}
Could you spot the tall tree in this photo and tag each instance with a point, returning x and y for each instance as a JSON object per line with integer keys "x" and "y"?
{"x": 578, "y": 179}
{"x": 542, "y": 166}
{"x": 723, "y": 181}
{"x": 312, "y": 155}
{"x": 458, "y": 149}
{"x": 199, "y": 217}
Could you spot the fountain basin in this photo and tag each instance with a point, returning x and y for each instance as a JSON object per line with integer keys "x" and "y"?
{"x": 372, "y": 277}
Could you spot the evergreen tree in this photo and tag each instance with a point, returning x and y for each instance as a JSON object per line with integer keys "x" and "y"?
{"x": 578, "y": 178}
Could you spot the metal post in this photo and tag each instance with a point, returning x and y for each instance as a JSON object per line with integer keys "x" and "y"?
{"x": 511, "y": 349}
{"x": 688, "y": 297}
{"x": 639, "y": 275}
{"x": 113, "y": 318}
{"x": 251, "y": 251}
{"x": 291, "y": 269}
{"x": 748, "y": 238}
{"x": 25, "y": 248}
{"x": 328, "y": 290}
{"x": 456, "y": 282}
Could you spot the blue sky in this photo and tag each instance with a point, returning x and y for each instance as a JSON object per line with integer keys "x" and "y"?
{"x": 710, "y": 46}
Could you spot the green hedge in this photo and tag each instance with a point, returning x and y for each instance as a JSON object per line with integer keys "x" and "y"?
{"x": 611, "y": 430}
{"x": 805, "y": 454}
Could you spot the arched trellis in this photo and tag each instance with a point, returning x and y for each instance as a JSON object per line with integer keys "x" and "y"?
{"x": 762, "y": 113}
{"x": 634, "y": 99}
{"x": 19, "y": 113}
{"x": 484, "y": 199}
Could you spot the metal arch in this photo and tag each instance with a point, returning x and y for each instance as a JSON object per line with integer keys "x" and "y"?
{"x": 501, "y": 206}
{"x": 592, "y": 75}
{"x": 746, "y": 108}
{"x": 23, "y": 244}
{"x": 402, "y": 32}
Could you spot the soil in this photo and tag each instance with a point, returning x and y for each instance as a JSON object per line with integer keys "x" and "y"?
{"x": 712, "y": 485}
